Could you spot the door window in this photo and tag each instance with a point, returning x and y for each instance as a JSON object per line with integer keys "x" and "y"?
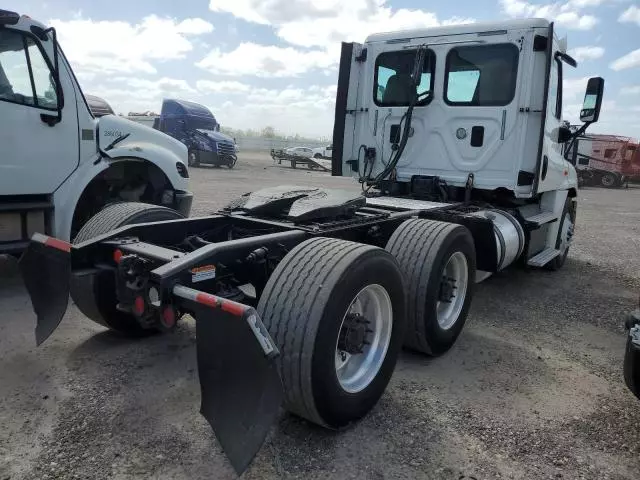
{"x": 25, "y": 76}
{"x": 481, "y": 75}
{"x": 393, "y": 82}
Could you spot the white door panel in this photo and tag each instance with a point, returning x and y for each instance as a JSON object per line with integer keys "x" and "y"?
{"x": 441, "y": 143}
{"x": 36, "y": 157}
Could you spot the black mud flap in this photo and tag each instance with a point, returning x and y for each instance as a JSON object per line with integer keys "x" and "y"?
{"x": 632, "y": 361}
{"x": 240, "y": 385}
{"x": 46, "y": 269}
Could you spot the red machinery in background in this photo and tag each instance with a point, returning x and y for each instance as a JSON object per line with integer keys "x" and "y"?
{"x": 606, "y": 160}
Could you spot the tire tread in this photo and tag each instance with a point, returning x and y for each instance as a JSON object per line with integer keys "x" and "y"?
{"x": 117, "y": 215}
{"x": 291, "y": 320}
{"x": 415, "y": 245}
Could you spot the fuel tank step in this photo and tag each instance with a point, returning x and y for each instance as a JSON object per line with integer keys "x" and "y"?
{"x": 544, "y": 257}
{"x": 540, "y": 219}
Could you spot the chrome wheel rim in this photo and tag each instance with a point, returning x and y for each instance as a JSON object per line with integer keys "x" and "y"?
{"x": 367, "y": 327}
{"x": 453, "y": 290}
{"x": 566, "y": 235}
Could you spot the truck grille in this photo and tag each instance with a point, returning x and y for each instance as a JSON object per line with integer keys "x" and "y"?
{"x": 226, "y": 149}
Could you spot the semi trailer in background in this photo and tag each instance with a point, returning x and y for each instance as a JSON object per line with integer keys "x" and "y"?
{"x": 60, "y": 164}
{"x": 303, "y": 297}
{"x": 196, "y": 127}
{"x": 606, "y": 160}
{"x": 98, "y": 106}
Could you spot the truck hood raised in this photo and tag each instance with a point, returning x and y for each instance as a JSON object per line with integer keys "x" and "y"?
{"x": 111, "y": 127}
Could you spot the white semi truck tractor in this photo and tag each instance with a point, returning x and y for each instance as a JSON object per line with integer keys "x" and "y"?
{"x": 456, "y": 136}
{"x": 59, "y": 164}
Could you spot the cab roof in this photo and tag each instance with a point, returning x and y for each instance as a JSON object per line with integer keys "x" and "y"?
{"x": 459, "y": 29}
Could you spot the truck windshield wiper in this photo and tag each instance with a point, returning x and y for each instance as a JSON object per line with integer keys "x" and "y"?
{"x": 116, "y": 141}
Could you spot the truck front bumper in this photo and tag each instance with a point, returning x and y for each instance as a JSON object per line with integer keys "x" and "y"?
{"x": 632, "y": 354}
{"x": 182, "y": 202}
{"x": 215, "y": 158}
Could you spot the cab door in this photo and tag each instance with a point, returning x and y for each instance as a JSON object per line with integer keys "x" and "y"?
{"x": 481, "y": 90}
{"x": 36, "y": 155}
{"x": 467, "y": 117}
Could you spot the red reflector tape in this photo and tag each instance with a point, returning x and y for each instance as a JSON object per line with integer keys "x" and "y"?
{"x": 59, "y": 244}
{"x": 228, "y": 306}
{"x": 216, "y": 302}
{"x": 232, "y": 308}
{"x": 207, "y": 299}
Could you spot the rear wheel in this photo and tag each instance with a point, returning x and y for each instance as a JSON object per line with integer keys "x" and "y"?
{"x": 438, "y": 261}
{"x": 96, "y": 295}
{"x": 608, "y": 180}
{"x": 336, "y": 311}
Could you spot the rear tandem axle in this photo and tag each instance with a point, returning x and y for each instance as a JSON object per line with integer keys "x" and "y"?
{"x": 295, "y": 301}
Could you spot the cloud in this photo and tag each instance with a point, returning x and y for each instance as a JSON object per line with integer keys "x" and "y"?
{"x": 117, "y": 46}
{"x": 586, "y": 53}
{"x": 126, "y": 94}
{"x": 630, "y": 60}
{"x": 630, "y": 90}
{"x": 568, "y": 14}
{"x": 630, "y": 15}
{"x": 194, "y": 26}
{"x": 573, "y": 88}
{"x": 266, "y": 61}
{"x": 307, "y": 111}
{"x": 325, "y": 23}
{"x": 268, "y": 12}
{"x": 224, "y": 86}
{"x": 317, "y": 25}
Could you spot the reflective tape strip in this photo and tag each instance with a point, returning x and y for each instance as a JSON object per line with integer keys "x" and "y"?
{"x": 52, "y": 242}
{"x": 228, "y": 306}
{"x": 234, "y": 308}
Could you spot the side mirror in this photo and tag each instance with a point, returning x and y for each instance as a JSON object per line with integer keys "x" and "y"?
{"x": 564, "y": 134}
{"x": 592, "y": 100}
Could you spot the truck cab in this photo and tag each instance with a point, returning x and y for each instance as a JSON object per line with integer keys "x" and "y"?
{"x": 195, "y": 126}
{"x": 60, "y": 165}
{"x": 465, "y": 113}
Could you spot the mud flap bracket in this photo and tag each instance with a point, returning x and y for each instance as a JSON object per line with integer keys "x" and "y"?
{"x": 240, "y": 385}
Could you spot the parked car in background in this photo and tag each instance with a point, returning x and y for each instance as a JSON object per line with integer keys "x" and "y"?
{"x": 323, "y": 152}
{"x": 300, "y": 151}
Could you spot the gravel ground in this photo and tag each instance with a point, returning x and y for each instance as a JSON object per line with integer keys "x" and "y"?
{"x": 532, "y": 389}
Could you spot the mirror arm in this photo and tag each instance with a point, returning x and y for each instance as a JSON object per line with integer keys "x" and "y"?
{"x": 574, "y": 137}
{"x": 581, "y": 130}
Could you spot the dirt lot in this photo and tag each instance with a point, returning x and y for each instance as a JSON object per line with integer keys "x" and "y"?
{"x": 533, "y": 388}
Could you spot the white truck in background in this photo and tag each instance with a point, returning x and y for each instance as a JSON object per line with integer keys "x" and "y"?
{"x": 60, "y": 165}
{"x": 323, "y": 152}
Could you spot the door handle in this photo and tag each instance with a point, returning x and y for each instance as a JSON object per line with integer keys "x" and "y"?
{"x": 50, "y": 120}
